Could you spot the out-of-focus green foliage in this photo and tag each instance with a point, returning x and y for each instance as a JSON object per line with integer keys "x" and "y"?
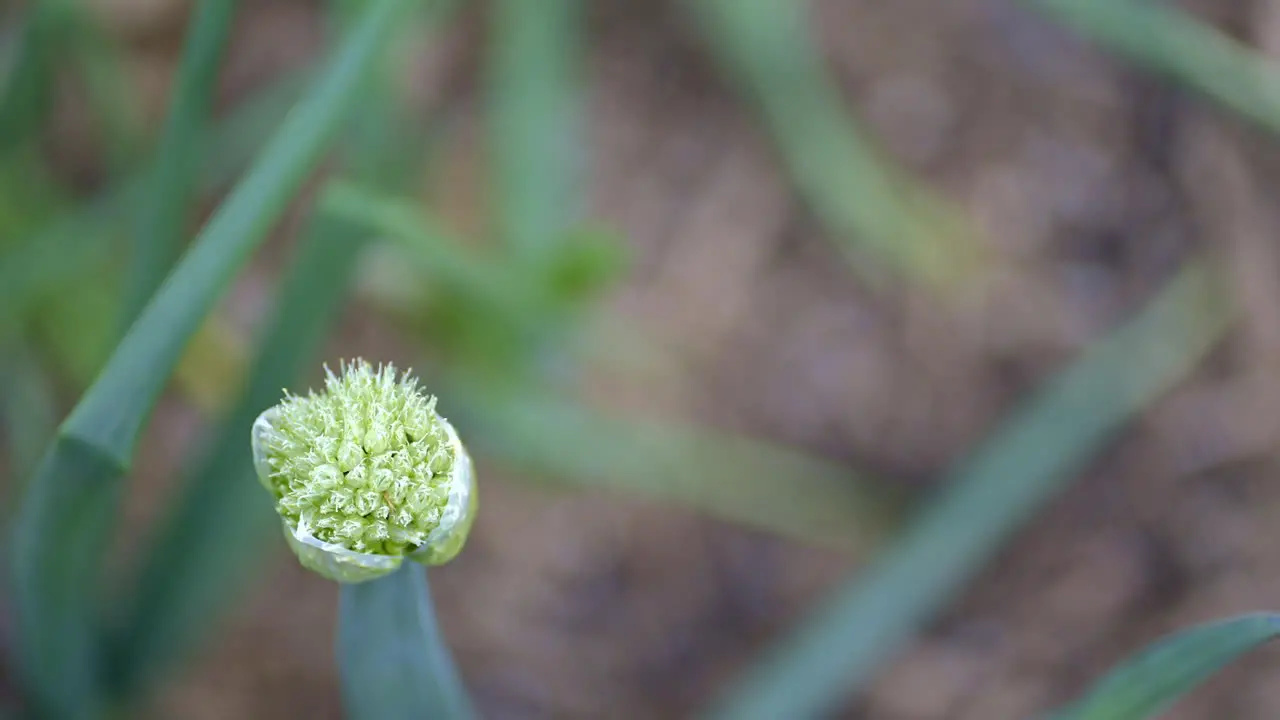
{"x": 96, "y": 59}
{"x": 499, "y": 320}
{"x": 1148, "y": 684}
{"x": 68, "y": 513}
{"x": 838, "y": 649}
{"x": 741, "y": 479}
{"x": 167, "y": 201}
{"x": 50, "y": 248}
{"x": 530, "y": 428}
{"x": 27, "y": 411}
{"x": 534, "y": 123}
{"x": 1175, "y": 45}
{"x": 213, "y": 539}
{"x": 871, "y": 208}
{"x": 25, "y": 92}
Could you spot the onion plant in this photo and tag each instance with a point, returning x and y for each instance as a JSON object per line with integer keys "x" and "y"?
{"x": 368, "y": 482}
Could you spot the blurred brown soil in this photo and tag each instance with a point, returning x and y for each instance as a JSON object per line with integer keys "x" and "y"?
{"x": 1090, "y": 179}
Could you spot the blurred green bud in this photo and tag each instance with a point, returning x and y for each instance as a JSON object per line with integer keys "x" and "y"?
{"x": 365, "y": 474}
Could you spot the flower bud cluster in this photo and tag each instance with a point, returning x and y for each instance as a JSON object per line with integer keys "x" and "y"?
{"x": 367, "y": 466}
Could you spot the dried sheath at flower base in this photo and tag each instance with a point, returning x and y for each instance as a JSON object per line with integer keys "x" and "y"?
{"x": 366, "y": 474}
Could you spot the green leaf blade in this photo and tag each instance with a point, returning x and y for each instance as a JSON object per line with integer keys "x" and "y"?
{"x": 1174, "y": 44}
{"x": 534, "y": 119}
{"x": 58, "y": 549}
{"x": 1152, "y": 681}
{"x": 173, "y": 179}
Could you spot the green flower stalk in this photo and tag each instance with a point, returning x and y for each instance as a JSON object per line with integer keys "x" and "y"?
{"x": 366, "y": 474}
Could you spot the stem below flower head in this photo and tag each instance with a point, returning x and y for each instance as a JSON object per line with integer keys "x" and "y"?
{"x": 392, "y": 658}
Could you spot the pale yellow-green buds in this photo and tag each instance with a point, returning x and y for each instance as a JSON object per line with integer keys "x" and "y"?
{"x": 365, "y": 474}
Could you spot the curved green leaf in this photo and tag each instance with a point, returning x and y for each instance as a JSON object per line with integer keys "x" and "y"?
{"x": 1154, "y": 679}
{"x": 873, "y": 210}
{"x": 1174, "y": 44}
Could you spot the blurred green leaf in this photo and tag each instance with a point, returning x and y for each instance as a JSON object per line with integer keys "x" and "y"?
{"x": 29, "y": 415}
{"x": 1151, "y": 682}
{"x": 215, "y": 535}
{"x": 488, "y": 315}
{"x": 477, "y": 312}
{"x": 1172, "y": 43}
{"x": 136, "y": 373}
{"x": 29, "y": 196}
{"x": 75, "y": 325}
{"x": 67, "y": 515}
{"x": 25, "y": 90}
{"x": 69, "y": 502}
{"x": 873, "y": 211}
{"x": 393, "y": 659}
{"x": 534, "y": 123}
{"x": 171, "y": 186}
{"x": 79, "y": 242}
{"x": 439, "y": 257}
{"x": 586, "y": 263}
{"x": 733, "y": 478}
{"x": 55, "y": 31}
{"x": 98, "y": 62}
{"x": 837, "y": 650}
